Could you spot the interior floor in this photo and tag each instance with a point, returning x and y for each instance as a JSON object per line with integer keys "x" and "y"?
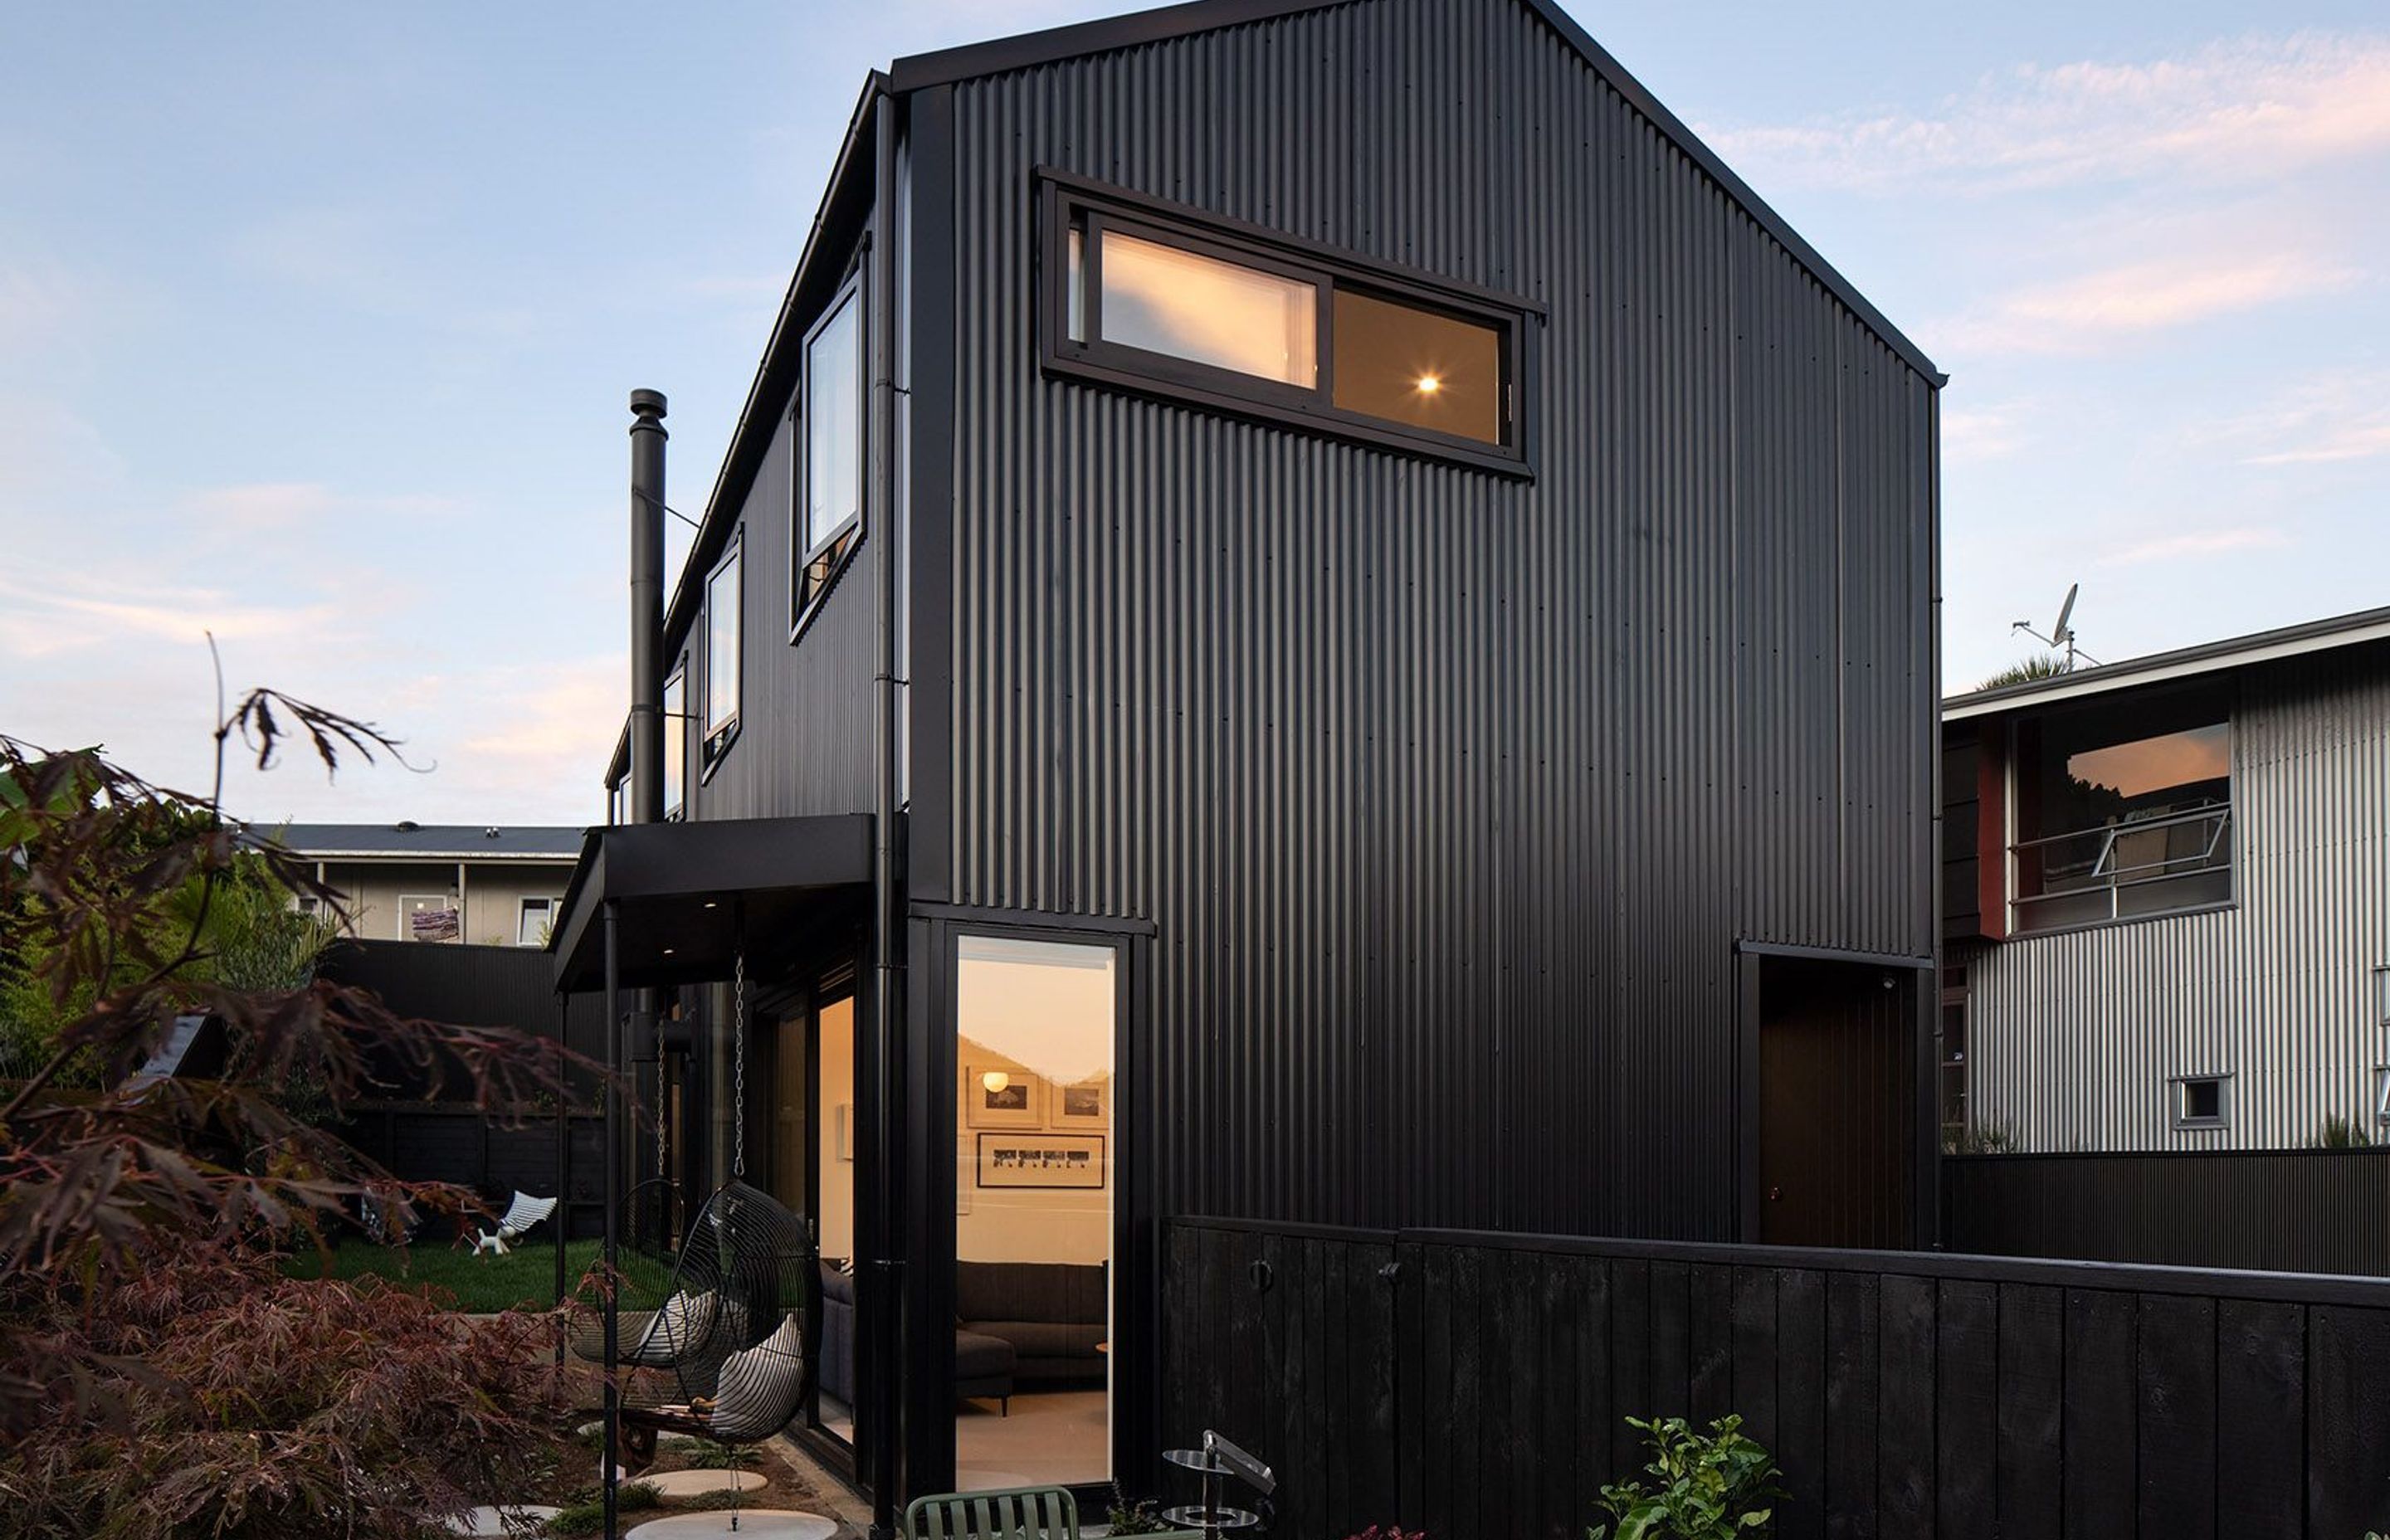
{"x": 1052, "y": 1438}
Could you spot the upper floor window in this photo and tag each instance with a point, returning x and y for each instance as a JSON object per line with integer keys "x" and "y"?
{"x": 676, "y": 730}
{"x": 533, "y": 920}
{"x": 830, "y": 406}
{"x": 721, "y": 634}
{"x": 1230, "y": 317}
{"x": 2121, "y": 812}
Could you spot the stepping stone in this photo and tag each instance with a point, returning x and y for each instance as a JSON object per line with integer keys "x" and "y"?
{"x": 493, "y": 1520}
{"x": 692, "y": 1483}
{"x": 754, "y": 1523}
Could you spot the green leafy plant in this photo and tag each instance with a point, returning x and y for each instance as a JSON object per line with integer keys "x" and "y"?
{"x": 586, "y": 1515}
{"x": 2341, "y": 1132}
{"x": 1705, "y": 1486}
{"x": 706, "y": 1454}
{"x": 1389, "y": 1532}
{"x": 1982, "y": 1136}
{"x": 1137, "y": 1518}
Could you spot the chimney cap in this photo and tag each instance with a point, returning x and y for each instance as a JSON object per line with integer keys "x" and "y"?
{"x": 648, "y": 403}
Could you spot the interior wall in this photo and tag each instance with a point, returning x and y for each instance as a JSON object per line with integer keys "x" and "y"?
{"x": 836, "y": 1209}
{"x": 1016, "y": 1224}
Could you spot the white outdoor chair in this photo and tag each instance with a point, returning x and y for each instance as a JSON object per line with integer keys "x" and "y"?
{"x": 520, "y": 1216}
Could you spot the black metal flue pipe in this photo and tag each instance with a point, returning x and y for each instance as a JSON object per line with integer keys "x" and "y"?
{"x": 648, "y": 725}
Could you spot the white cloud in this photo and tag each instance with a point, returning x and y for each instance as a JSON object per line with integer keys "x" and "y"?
{"x": 1971, "y": 435}
{"x": 2337, "y": 416}
{"x": 2095, "y": 310}
{"x": 2194, "y": 547}
{"x": 53, "y": 611}
{"x": 2245, "y": 109}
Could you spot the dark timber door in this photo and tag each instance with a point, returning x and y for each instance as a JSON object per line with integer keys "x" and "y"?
{"x": 1837, "y": 1105}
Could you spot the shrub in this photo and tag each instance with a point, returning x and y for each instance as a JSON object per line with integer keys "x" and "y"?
{"x": 1707, "y": 1486}
{"x": 586, "y": 1515}
{"x": 1137, "y": 1518}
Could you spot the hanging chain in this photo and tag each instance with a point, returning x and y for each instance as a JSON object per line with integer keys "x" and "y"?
{"x": 738, "y": 1063}
{"x": 663, "y": 1105}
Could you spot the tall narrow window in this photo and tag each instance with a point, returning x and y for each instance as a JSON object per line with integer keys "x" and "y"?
{"x": 831, "y": 403}
{"x": 532, "y": 924}
{"x": 722, "y": 597}
{"x": 1036, "y": 1172}
{"x": 675, "y": 729}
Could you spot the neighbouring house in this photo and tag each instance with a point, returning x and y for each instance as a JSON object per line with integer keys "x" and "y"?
{"x": 2167, "y": 899}
{"x": 1315, "y": 615}
{"x": 489, "y": 885}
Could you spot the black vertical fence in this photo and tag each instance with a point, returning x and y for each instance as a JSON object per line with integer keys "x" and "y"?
{"x": 2292, "y": 1210}
{"x": 1476, "y": 1385}
{"x": 418, "y": 1129}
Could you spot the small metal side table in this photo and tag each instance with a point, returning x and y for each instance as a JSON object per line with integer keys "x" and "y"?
{"x": 1216, "y": 1459}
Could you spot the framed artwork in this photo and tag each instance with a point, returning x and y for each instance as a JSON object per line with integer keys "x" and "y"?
{"x": 1002, "y": 1099}
{"x": 1086, "y": 1105}
{"x": 1041, "y": 1161}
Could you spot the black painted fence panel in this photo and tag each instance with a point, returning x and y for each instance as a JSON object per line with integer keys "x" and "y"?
{"x": 2285, "y": 1211}
{"x": 1472, "y": 1385}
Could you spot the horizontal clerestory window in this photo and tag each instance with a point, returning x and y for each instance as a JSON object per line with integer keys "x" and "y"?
{"x": 1225, "y": 316}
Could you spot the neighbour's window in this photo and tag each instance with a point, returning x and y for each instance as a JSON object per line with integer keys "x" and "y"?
{"x": 676, "y": 730}
{"x": 830, "y": 405}
{"x": 722, "y": 597}
{"x": 2202, "y": 1101}
{"x": 531, "y": 926}
{"x": 2121, "y": 812}
{"x": 1953, "y": 1057}
{"x": 1232, "y": 319}
{"x": 428, "y": 917}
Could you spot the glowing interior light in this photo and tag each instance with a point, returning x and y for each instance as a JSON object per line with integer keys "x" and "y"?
{"x": 996, "y": 1080}
{"x": 1429, "y": 384}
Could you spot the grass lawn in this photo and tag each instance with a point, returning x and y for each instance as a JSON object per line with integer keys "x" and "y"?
{"x": 526, "y": 1276}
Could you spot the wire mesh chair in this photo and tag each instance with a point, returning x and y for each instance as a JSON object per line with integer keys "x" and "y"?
{"x": 737, "y": 1330}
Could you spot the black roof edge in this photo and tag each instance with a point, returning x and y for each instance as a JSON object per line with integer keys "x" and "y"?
{"x": 948, "y": 65}
{"x": 2358, "y": 626}
{"x": 850, "y": 175}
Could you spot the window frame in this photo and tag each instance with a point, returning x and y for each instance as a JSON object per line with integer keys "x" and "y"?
{"x": 675, "y": 736}
{"x": 2225, "y": 713}
{"x": 716, "y": 741}
{"x": 838, "y": 551}
{"x": 2178, "y": 1096}
{"x": 1070, "y": 202}
{"x": 450, "y": 902}
{"x": 524, "y": 911}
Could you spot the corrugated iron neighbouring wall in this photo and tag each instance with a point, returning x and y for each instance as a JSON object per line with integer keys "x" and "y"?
{"x": 2073, "y": 1038}
{"x": 1448, "y": 794}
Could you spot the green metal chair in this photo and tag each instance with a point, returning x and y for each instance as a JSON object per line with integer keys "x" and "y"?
{"x": 1014, "y": 1513}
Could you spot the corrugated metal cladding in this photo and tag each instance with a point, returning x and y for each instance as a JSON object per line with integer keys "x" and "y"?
{"x": 2075, "y": 1035}
{"x": 1449, "y": 794}
{"x": 804, "y": 745}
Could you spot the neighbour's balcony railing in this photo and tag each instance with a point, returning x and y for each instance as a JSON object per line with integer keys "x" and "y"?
{"x": 2123, "y": 871}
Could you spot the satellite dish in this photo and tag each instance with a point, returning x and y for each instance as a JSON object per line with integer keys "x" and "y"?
{"x": 2059, "y": 633}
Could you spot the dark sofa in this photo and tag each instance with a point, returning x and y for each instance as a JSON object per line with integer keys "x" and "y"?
{"x": 1017, "y": 1323}
{"x": 983, "y": 1364}
{"x": 1052, "y": 1313}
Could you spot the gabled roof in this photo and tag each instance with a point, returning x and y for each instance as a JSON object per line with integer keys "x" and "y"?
{"x": 845, "y": 204}
{"x": 410, "y": 840}
{"x": 2205, "y": 658}
{"x": 1106, "y": 34}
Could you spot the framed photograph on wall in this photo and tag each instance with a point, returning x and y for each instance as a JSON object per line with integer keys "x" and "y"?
{"x": 1086, "y": 1105}
{"x": 994, "y": 1097}
{"x": 1041, "y": 1161}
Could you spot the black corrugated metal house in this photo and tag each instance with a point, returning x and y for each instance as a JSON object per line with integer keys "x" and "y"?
{"x": 1315, "y": 615}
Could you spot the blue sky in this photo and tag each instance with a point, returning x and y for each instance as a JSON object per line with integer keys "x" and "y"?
{"x": 318, "y": 325}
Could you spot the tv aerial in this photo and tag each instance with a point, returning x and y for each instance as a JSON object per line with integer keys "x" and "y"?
{"x": 2062, "y": 635}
